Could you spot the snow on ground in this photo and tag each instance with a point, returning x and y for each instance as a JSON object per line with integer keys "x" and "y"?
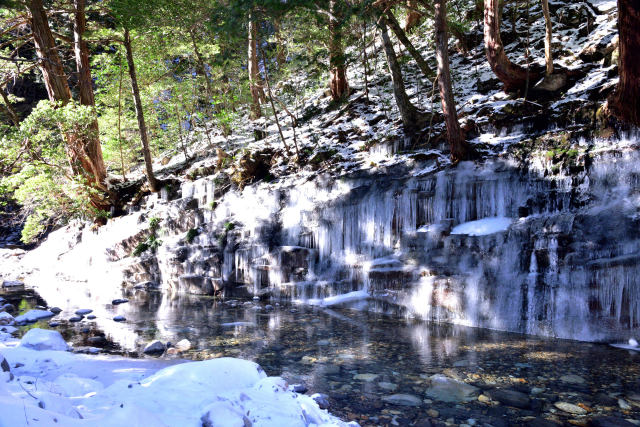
{"x": 48, "y": 386}
{"x": 339, "y": 299}
{"x": 483, "y": 227}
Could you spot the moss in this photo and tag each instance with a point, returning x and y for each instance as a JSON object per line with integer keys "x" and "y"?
{"x": 192, "y": 234}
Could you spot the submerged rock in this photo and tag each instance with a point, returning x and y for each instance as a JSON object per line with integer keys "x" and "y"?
{"x": 570, "y": 408}
{"x": 511, "y": 398}
{"x": 572, "y": 379}
{"x": 447, "y": 389}
{"x": 609, "y": 422}
{"x": 403, "y": 400}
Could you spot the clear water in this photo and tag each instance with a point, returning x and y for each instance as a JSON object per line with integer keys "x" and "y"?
{"x": 328, "y": 350}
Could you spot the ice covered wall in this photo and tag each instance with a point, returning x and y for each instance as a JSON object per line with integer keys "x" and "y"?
{"x": 491, "y": 245}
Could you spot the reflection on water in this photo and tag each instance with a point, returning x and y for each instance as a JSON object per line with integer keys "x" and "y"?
{"x": 358, "y": 357}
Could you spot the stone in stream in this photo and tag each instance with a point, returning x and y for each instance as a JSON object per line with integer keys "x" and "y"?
{"x": 97, "y": 340}
{"x": 609, "y": 422}
{"x": 43, "y": 339}
{"x": 387, "y": 386}
{"x": 55, "y": 310}
{"x": 75, "y": 319}
{"x": 321, "y": 399}
{"x": 54, "y": 324}
{"x": 572, "y": 379}
{"x": 542, "y": 422}
{"x": 447, "y": 389}
{"x": 299, "y": 388}
{"x": 604, "y": 399}
{"x": 91, "y": 317}
{"x": 83, "y": 311}
{"x": 570, "y": 408}
{"x": 154, "y": 348}
{"x": 403, "y": 399}
{"x": 510, "y": 398}
{"x": 365, "y": 377}
{"x": 119, "y": 301}
{"x": 119, "y": 318}
{"x": 183, "y": 345}
{"x": 6, "y": 319}
{"x": 4, "y": 365}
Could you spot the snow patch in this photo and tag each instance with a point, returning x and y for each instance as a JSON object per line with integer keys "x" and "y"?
{"x": 483, "y": 227}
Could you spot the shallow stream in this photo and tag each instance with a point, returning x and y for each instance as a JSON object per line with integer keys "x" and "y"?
{"x": 360, "y": 359}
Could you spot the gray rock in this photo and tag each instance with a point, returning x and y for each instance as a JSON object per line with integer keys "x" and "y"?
{"x": 155, "y": 348}
{"x": 510, "y": 398}
{"x": 183, "y": 345}
{"x": 321, "y": 399}
{"x": 447, "y": 389}
{"x": 97, "y": 340}
{"x": 9, "y": 308}
{"x": 91, "y": 317}
{"x": 403, "y": 400}
{"x": 75, "y": 319}
{"x": 32, "y": 316}
{"x": 542, "y": 422}
{"x": 299, "y": 388}
{"x": 54, "y": 324}
{"x": 4, "y": 365}
{"x": 119, "y": 301}
{"x": 55, "y": 310}
{"x": 119, "y": 318}
{"x": 609, "y": 422}
{"x": 83, "y": 311}
{"x": 572, "y": 379}
{"x": 570, "y": 408}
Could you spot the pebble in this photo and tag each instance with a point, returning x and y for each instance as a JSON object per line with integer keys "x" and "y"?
{"x": 54, "y": 324}
{"x": 572, "y": 379}
{"x": 76, "y": 319}
{"x": 321, "y": 399}
{"x": 119, "y": 301}
{"x": 55, "y": 310}
{"x": 433, "y": 413}
{"x": 570, "y": 408}
{"x": 387, "y": 386}
{"x": 183, "y": 345}
{"x": 119, "y": 318}
{"x": 83, "y": 311}
{"x": 91, "y": 316}
{"x": 403, "y": 399}
{"x": 365, "y": 377}
{"x": 154, "y": 348}
{"x": 623, "y": 405}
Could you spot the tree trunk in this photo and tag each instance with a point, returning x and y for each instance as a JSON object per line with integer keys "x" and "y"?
{"x": 548, "y": 37}
{"x": 84, "y": 156}
{"x": 459, "y": 147}
{"x": 413, "y": 17}
{"x": 402, "y": 36}
{"x": 201, "y": 69}
{"x": 280, "y": 53}
{"x": 144, "y": 138}
{"x": 408, "y": 111}
{"x": 512, "y": 75}
{"x": 338, "y": 84}
{"x": 92, "y": 146}
{"x": 625, "y": 102}
{"x": 11, "y": 112}
{"x": 254, "y": 72}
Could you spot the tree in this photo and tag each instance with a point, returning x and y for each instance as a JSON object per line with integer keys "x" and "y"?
{"x": 408, "y": 112}
{"x": 548, "y": 37}
{"x": 338, "y": 83}
{"x": 254, "y": 72}
{"x": 84, "y": 151}
{"x": 512, "y": 75}
{"x": 413, "y": 16}
{"x": 144, "y": 137}
{"x": 402, "y": 36}
{"x": 625, "y": 101}
{"x": 459, "y": 147}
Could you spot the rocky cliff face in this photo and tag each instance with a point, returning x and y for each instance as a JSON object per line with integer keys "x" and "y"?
{"x": 550, "y": 247}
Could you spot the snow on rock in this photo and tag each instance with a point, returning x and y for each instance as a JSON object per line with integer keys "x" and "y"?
{"x": 483, "y": 227}
{"x": 6, "y": 319}
{"x": 33, "y": 316}
{"x": 43, "y": 339}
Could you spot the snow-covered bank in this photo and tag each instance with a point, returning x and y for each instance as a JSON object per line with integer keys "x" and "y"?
{"x": 52, "y": 387}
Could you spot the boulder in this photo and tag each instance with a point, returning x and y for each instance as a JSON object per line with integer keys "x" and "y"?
{"x": 447, "y": 389}
{"x": 511, "y": 398}
{"x": 183, "y": 345}
{"x": 83, "y": 311}
{"x": 321, "y": 399}
{"x": 6, "y": 319}
{"x": 43, "y": 339}
{"x": 155, "y": 348}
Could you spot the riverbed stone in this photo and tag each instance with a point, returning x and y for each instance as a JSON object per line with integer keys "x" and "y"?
{"x": 154, "y": 348}
{"x": 388, "y": 386}
{"x": 119, "y": 318}
{"x": 12, "y": 283}
{"x": 76, "y": 319}
{"x": 9, "y": 308}
{"x": 55, "y": 310}
{"x": 605, "y": 421}
{"x": 83, "y": 311}
{"x": 402, "y": 399}
{"x": 118, "y": 301}
{"x": 572, "y": 379}
{"x": 43, "y": 339}
{"x": 570, "y": 408}
{"x": 97, "y": 340}
{"x": 32, "y": 316}
{"x": 510, "y": 398}
{"x": 365, "y": 377}
{"x": 447, "y": 389}
{"x": 6, "y": 319}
